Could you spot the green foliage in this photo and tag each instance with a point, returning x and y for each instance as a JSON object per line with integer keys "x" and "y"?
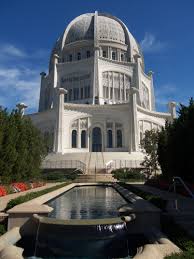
{"x": 154, "y": 199}
{"x": 126, "y": 174}
{"x": 32, "y": 195}
{"x": 149, "y": 145}
{"x": 175, "y": 145}
{"x": 178, "y": 236}
{"x": 21, "y": 147}
{"x": 2, "y": 229}
{"x": 61, "y": 175}
{"x": 183, "y": 255}
{"x": 48, "y": 140}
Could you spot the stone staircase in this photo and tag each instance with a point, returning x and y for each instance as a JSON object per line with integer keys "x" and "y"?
{"x": 92, "y": 178}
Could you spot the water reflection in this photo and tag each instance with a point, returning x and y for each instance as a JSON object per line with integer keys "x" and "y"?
{"x": 87, "y": 202}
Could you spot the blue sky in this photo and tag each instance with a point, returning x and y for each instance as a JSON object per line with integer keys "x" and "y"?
{"x": 29, "y": 29}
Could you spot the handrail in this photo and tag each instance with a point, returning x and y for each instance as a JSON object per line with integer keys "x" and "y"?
{"x": 123, "y": 163}
{"x": 64, "y": 164}
{"x": 184, "y": 185}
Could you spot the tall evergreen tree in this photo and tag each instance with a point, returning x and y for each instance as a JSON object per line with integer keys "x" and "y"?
{"x": 21, "y": 147}
{"x": 176, "y": 144}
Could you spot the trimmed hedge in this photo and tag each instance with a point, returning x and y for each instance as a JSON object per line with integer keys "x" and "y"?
{"x": 60, "y": 175}
{"x": 126, "y": 174}
{"x": 29, "y": 196}
{"x": 154, "y": 199}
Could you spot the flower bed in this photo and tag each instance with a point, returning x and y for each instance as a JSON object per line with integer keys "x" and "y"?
{"x": 3, "y": 191}
{"x": 18, "y": 187}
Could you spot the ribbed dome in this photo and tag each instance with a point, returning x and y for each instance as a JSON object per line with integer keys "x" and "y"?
{"x": 82, "y": 29}
{"x": 110, "y": 29}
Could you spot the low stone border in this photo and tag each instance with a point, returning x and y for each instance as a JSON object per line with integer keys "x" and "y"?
{"x": 147, "y": 216}
{"x": 162, "y": 247}
{"x": 7, "y": 242}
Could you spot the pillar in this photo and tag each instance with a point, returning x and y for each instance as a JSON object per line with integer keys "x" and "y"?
{"x": 113, "y": 89}
{"x": 109, "y": 87}
{"x": 88, "y": 133}
{"x": 78, "y": 135}
{"x": 42, "y": 92}
{"x": 113, "y": 135}
{"x": 133, "y": 137}
{"x": 150, "y": 74}
{"x": 172, "y": 110}
{"x": 21, "y": 108}
{"x": 124, "y": 88}
{"x": 59, "y": 137}
{"x": 120, "y": 91}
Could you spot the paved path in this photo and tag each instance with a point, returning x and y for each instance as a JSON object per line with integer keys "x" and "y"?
{"x": 5, "y": 199}
{"x": 184, "y": 216}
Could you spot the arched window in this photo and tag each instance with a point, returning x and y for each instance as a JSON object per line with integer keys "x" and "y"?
{"x": 88, "y": 54}
{"x": 104, "y": 53}
{"x": 119, "y": 138}
{"x": 74, "y": 139}
{"x": 113, "y": 55}
{"x": 78, "y": 56}
{"x": 109, "y": 139}
{"x": 83, "y": 139}
{"x": 70, "y": 57}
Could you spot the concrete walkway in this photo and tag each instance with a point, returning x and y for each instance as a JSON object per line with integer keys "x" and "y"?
{"x": 5, "y": 199}
{"x": 184, "y": 215}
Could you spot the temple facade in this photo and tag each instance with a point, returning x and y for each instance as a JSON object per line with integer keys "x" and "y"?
{"x": 96, "y": 96}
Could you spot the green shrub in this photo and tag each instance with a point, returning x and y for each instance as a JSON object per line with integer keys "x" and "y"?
{"x": 32, "y": 195}
{"x": 183, "y": 255}
{"x": 126, "y": 174}
{"x": 178, "y": 236}
{"x": 155, "y": 200}
{"x": 60, "y": 175}
{"x": 2, "y": 229}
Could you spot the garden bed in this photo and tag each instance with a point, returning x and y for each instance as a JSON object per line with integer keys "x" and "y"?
{"x": 29, "y": 196}
{"x": 154, "y": 199}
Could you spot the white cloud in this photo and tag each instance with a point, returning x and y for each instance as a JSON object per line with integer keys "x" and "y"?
{"x": 11, "y": 51}
{"x": 19, "y": 85}
{"x": 150, "y": 44}
{"x": 19, "y": 75}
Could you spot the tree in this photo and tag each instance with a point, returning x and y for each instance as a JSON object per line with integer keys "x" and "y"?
{"x": 149, "y": 145}
{"x": 176, "y": 144}
{"x": 21, "y": 147}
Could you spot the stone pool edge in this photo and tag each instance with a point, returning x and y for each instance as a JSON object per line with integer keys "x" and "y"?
{"x": 21, "y": 214}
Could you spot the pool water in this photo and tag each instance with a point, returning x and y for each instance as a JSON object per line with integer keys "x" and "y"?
{"x": 87, "y": 202}
{"x": 63, "y": 241}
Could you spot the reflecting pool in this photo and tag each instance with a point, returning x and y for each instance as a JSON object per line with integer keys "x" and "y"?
{"x": 87, "y": 202}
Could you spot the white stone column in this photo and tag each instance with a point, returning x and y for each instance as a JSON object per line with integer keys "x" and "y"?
{"x": 172, "y": 110}
{"x": 78, "y": 135}
{"x": 124, "y": 88}
{"x": 120, "y": 91}
{"x": 59, "y": 137}
{"x": 88, "y": 133}
{"x": 118, "y": 54}
{"x": 113, "y": 88}
{"x": 42, "y": 92}
{"x": 113, "y": 135}
{"x": 109, "y": 87}
{"x": 55, "y": 62}
{"x": 134, "y": 131}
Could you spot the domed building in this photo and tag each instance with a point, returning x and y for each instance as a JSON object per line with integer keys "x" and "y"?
{"x": 97, "y": 98}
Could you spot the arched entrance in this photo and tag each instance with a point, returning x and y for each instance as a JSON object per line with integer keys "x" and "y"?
{"x": 96, "y": 140}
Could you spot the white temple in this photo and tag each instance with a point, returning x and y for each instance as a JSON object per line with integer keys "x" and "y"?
{"x": 96, "y": 96}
